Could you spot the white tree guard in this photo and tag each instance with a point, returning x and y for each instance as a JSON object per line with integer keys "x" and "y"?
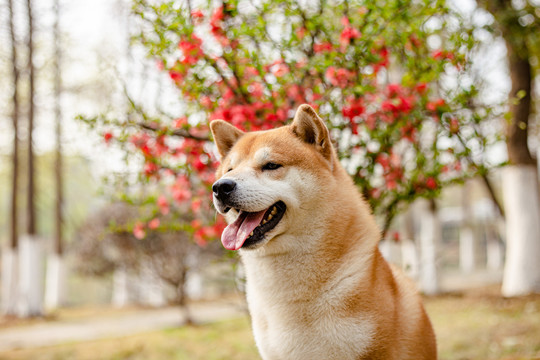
{"x": 522, "y": 204}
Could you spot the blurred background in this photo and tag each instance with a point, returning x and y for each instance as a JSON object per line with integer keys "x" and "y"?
{"x": 109, "y": 241}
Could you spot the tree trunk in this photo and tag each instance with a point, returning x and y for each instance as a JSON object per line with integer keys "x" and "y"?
{"x": 30, "y": 302}
{"x": 30, "y": 251}
{"x": 120, "y": 295}
{"x": 10, "y": 254}
{"x": 521, "y": 197}
{"x": 182, "y": 297}
{"x": 467, "y": 258}
{"x": 55, "y": 264}
{"x": 31, "y": 208}
{"x": 520, "y": 184}
{"x": 409, "y": 250}
{"x": 56, "y": 281}
{"x": 430, "y": 237}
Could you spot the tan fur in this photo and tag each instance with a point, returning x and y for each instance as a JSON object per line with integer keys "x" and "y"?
{"x": 318, "y": 287}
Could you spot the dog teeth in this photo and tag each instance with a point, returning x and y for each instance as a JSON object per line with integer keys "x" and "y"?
{"x": 274, "y": 211}
{"x": 270, "y": 217}
{"x": 251, "y": 234}
{"x": 264, "y": 221}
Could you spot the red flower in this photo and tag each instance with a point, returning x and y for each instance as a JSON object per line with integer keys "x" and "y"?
{"x": 355, "y": 108}
{"x": 301, "y": 32}
{"x": 421, "y": 88}
{"x": 150, "y": 169}
{"x": 348, "y": 34}
{"x": 435, "y": 105}
{"x": 153, "y": 224}
{"x": 197, "y": 14}
{"x": 108, "y": 136}
{"x": 431, "y": 183}
{"x": 442, "y": 54}
{"x": 163, "y": 204}
{"x": 138, "y": 230}
{"x": 322, "y": 47}
{"x": 454, "y": 126}
{"x": 180, "y": 122}
{"x": 196, "y": 205}
{"x": 408, "y": 132}
{"x": 175, "y": 76}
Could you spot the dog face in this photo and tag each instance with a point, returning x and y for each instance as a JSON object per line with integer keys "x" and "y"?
{"x": 268, "y": 178}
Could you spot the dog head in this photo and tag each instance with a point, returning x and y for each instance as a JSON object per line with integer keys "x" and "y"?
{"x": 267, "y": 179}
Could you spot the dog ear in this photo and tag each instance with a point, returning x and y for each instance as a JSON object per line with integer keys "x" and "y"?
{"x": 225, "y": 136}
{"x": 310, "y": 128}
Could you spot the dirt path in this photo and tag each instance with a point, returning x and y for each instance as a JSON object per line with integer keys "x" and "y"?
{"x": 112, "y": 325}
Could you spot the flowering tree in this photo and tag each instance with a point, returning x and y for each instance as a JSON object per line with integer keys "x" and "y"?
{"x": 392, "y": 79}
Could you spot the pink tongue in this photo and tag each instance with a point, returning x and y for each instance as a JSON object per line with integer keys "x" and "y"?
{"x": 235, "y": 234}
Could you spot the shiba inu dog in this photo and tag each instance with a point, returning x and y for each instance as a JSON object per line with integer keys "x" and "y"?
{"x": 317, "y": 285}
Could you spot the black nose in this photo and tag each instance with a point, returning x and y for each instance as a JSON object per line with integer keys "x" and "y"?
{"x": 223, "y": 188}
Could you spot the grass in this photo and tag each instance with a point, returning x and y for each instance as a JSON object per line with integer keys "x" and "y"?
{"x": 476, "y": 325}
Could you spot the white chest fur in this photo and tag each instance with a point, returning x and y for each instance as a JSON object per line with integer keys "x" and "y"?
{"x": 293, "y": 320}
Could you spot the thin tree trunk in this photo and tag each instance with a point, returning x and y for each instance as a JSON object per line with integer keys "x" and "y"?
{"x": 182, "y": 297}
{"x": 55, "y": 264}
{"x": 58, "y": 249}
{"x": 31, "y": 209}
{"x": 430, "y": 237}
{"x": 520, "y": 106}
{"x": 9, "y": 255}
{"x": 15, "y": 121}
{"x": 30, "y": 301}
{"x": 467, "y": 258}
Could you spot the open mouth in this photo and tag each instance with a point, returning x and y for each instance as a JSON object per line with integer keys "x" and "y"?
{"x": 250, "y": 228}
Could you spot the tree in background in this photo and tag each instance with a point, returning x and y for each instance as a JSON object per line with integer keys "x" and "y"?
{"x": 393, "y": 80}
{"x": 107, "y": 244}
{"x": 55, "y": 285}
{"x": 519, "y": 25}
{"x": 10, "y": 254}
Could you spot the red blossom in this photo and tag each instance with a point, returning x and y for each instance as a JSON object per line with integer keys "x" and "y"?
{"x": 384, "y": 60}
{"x": 301, "y": 32}
{"x": 163, "y": 205}
{"x": 175, "y": 76}
{"x": 153, "y": 224}
{"x": 349, "y": 33}
{"x": 431, "y": 183}
{"x": 180, "y": 190}
{"x": 435, "y": 105}
{"x": 454, "y": 126}
{"x": 442, "y": 55}
{"x": 197, "y": 14}
{"x": 150, "y": 169}
{"x": 180, "y": 122}
{"x": 408, "y": 132}
{"x": 421, "y": 88}
{"x": 108, "y": 136}
{"x": 339, "y": 77}
{"x": 322, "y": 47}
{"x": 196, "y": 205}
{"x": 191, "y": 49}
{"x": 138, "y": 230}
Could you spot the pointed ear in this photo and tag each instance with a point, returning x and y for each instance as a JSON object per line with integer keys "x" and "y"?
{"x": 225, "y": 136}
{"x": 310, "y": 128}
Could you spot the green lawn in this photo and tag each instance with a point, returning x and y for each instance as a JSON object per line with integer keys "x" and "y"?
{"x": 474, "y": 326}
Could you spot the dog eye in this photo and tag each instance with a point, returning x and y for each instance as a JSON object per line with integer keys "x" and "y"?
{"x": 271, "y": 166}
